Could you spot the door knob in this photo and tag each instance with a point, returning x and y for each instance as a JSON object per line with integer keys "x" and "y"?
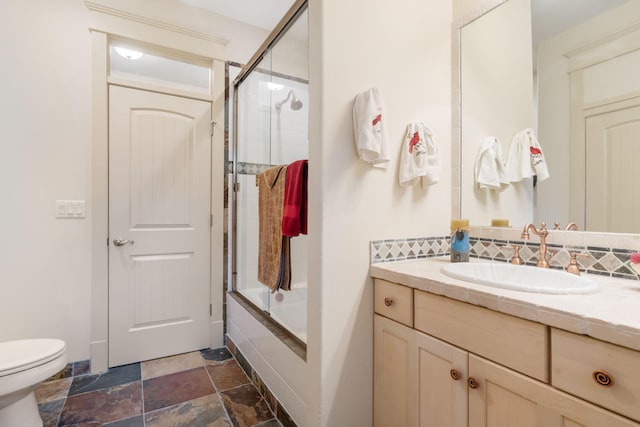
{"x": 122, "y": 242}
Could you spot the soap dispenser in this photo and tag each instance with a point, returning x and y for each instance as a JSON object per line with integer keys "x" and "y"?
{"x": 460, "y": 240}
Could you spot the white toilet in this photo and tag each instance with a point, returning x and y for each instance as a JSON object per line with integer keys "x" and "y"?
{"x": 23, "y": 365}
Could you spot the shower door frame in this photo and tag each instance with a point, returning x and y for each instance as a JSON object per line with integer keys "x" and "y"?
{"x": 297, "y": 9}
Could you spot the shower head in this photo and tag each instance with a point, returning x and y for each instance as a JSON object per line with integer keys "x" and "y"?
{"x": 296, "y": 104}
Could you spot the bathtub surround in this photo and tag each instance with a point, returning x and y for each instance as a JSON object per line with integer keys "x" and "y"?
{"x": 277, "y": 362}
{"x": 275, "y": 406}
{"x": 297, "y": 346}
{"x": 608, "y": 254}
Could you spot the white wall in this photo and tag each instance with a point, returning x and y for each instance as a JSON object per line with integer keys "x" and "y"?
{"x": 403, "y": 48}
{"x": 45, "y": 155}
{"x": 283, "y": 371}
{"x": 45, "y": 152}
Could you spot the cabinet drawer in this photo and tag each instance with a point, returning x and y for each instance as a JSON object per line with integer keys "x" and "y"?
{"x": 394, "y": 301}
{"x": 575, "y": 362}
{"x": 519, "y": 344}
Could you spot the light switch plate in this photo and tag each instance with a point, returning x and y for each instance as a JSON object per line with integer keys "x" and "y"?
{"x": 70, "y": 208}
{"x": 79, "y": 209}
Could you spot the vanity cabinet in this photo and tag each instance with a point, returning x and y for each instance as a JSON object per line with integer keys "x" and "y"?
{"x": 456, "y": 364}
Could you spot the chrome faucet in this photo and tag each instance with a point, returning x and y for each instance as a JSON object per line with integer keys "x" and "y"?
{"x": 542, "y": 233}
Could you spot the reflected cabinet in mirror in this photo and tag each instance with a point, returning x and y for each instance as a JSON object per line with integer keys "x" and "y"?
{"x": 570, "y": 71}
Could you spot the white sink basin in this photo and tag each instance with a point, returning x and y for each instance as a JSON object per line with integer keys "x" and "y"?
{"x": 521, "y": 278}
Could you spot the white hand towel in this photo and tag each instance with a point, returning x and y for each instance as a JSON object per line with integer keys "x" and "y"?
{"x": 525, "y": 158}
{"x": 489, "y": 170}
{"x": 420, "y": 156}
{"x": 370, "y": 128}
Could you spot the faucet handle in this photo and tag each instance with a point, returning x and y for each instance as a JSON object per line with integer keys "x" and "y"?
{"x": 556, "y": 225}
{"x": 515, "y": 259}
{"x": 573, "y": 266}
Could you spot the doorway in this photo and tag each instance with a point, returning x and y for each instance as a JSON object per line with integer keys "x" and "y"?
{"x": 159, "y": 224}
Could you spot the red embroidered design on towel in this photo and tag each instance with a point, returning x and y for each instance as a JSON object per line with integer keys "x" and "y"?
{"x": 377, "y": 120}
{"x": 536, "y": 155}
{"x": 414, "y": 141}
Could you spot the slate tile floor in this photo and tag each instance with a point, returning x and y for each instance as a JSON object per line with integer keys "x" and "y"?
{"x": 206, "y": 388}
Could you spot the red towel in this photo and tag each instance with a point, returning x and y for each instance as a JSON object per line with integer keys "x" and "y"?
{"x": 294, "y": 213}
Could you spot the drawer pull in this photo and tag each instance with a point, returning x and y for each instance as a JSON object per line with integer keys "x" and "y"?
{"x": 455, "y": 374}
{"x": 388, "y": 301}
{"x": 603, "y": 378}
{"x": 473, "y": 383}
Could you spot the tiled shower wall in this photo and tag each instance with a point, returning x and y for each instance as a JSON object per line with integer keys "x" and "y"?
{"x": 268, "y": 138}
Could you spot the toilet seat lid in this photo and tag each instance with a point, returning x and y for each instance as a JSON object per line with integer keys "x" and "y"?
{"x": 20, "y": 355}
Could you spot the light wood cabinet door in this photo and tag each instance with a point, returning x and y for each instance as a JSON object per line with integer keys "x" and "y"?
{"x": 394, "y": 379}
{"x": 505, "y": 398}
{"x": 442, "y": 383}
{"x": 418, "y": 380}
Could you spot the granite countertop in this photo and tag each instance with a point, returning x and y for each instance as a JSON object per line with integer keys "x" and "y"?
{"x": 612, "y": 314}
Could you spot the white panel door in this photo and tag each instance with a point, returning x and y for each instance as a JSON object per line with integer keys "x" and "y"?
{"x": 612, "y": 173}
{"x": 159, "y": 198}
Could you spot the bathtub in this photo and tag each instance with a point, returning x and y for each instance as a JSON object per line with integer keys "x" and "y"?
{"x": 288, "y": 308}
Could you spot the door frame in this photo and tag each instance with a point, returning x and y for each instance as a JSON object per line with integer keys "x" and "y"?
{"x": 106, "y": 23}
{"x": 606, "y": 48}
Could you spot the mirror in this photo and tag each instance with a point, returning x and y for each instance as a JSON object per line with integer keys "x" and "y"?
{"x": 582, "y": 92}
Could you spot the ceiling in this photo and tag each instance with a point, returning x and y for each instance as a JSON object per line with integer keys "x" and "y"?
{"x": 260, "y": 13}
{"x": 551, "y": 17}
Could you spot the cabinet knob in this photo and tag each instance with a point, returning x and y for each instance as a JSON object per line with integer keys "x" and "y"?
{"x": 603, "y": 378}
{"x": 473, "y": 383}
{"x": 388, "y": 301}
{"x": 455, "y": 374}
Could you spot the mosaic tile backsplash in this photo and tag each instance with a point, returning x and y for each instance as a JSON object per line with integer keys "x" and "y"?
{"x": 606, "y": 261}
{"x": 403, "y": 249}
